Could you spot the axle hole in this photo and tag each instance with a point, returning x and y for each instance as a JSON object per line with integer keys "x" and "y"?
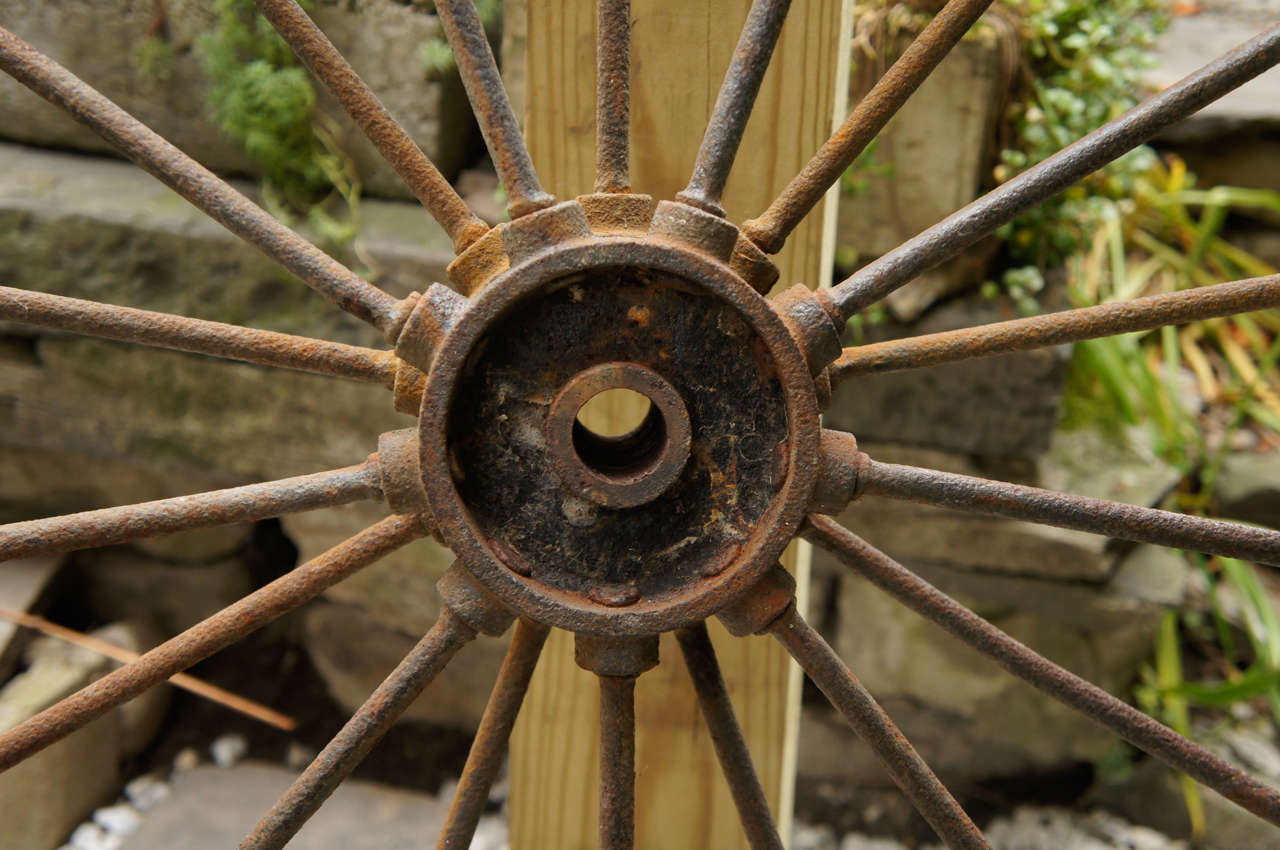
{"x": 614, "y": 413}
{"x": 619, "y": 433}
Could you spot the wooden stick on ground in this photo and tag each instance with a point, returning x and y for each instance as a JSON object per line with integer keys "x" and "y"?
{"x": 210, "y": 692}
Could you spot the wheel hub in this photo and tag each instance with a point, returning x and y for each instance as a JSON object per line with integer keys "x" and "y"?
{"x": 632, "y": 534}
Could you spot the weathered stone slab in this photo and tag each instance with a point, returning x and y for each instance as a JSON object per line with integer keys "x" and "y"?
{"x": 1005, "y": 406}
{"x": 929, "y": 180}
{"x": 1248, "y": 487}
{"x": 98, "y": 42}
{"x": 107, "y": 231}
{"x": 24, "y": 584}
{"x": 214, "y": 808}
{"x": 354, "y": 650}
{"x": 1192, "y": 40}
{"x": 1055, "y": 590}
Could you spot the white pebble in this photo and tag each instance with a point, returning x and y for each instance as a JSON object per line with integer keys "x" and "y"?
{"x": 228, "y": 750}
{"x": 298, "y": 756}
{"x": 145, "y": 791}
{"x": 120, "y": 819}
{"x": 491, "y": 834}
{"x": 90, "y": 836}
{"x": 186, "y": 759}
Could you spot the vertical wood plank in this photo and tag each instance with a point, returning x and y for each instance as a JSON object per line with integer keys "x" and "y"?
{"x": 680, "y": 51}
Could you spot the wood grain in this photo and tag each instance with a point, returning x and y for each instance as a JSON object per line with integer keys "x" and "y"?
{"x": 679, "y": 53}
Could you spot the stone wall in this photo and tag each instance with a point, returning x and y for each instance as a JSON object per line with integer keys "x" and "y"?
{"x": 98, "y": 41}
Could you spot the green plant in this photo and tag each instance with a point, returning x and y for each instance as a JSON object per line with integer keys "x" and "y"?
{"x": 153, "y": 58}
{"x": 264, "y": 100}
{"x": 436, "y": 56}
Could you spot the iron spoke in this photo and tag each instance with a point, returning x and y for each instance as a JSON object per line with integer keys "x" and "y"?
{"x": 726, "y": 735}
{"x": 1142, "y": 731}
{"x": 1100, "y": 516}
{"x": 414, "y": 167}
{"x": 196, "y": 183}
{"x": 490, "y": 745}
{"x": 617, "y": 762}
{"x": 733, "y": 105}
{"x": 929, "y": 796}
{"x": 479, "y": 70}
{"x": 613, "y": 96}
{"x": 109, "y": 526}
{"x": 887, "y": 96}
{"x": 1139, "y": 314}
{"x": 216, "y": 339}
{"x": 1046, "y": 179}
{"x": 205, "y": 638}
{"x": 365, "y": 728}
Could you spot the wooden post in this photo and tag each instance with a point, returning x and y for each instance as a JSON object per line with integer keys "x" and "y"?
{"x": 679, "y": 54}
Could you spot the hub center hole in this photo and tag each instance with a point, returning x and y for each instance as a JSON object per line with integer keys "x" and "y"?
{"x": 619, "y": 433}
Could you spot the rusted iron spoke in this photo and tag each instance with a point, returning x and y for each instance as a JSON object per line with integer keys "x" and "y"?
{"x": 479, "y": 70}
{"x": 733, "y": 105}
{"x": 1100, "y": 516}
{"x": 726, "y": 735}
{"x": 196, "y": 183}
{"x": 365, "y": 728}
{"x": 216, "y": 339}
{"x": 1140, "y": 730}
{"x": 1140, "y": 314}
{"x": 205, "y": 638}
{"x": 414, "y": 167}
{"x": 109, "y": 526}
{"x": 929, "y": 796}
{"x": 617, "y": 762}
{"x": 490, "y": 745}
{"x": 613, "y": 96}
{"x": 891, "y": 91}
{"x": 982, "y": 217}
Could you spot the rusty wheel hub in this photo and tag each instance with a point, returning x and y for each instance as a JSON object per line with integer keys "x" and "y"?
{"x": 632, "y": 534}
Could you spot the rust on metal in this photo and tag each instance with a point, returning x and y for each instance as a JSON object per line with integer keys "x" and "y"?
{"x": 619, "y": 539}
{"x": 1049, "y": 177}
{"x": 616, "y": 656}
{"x": 207, "y": 637}
{"x": 726, "y": 736}
{"x": 489, "y": 749}
{"x": 626, "y": 470}
{"x": 908, "y": 770}
{"x": 1047, "y": 507}
{"x": 613, "y": 96}
{"x": 841, "y": 470}
{"x": 887, "y": 96}
{"x": 400, "y": 472}
{"x": 1124, "y": 720}
{"x": 733, "y": 105}
{"x": 196, "y": 183}
{"x": 489, "y": 102}
{"x": 570, "y": 562}
{"x": 109, "y": 526}
{"x": 365, "y": 728}
{"x": 414, "y": 167}
{"x": 216, "y": 339}
{"x": 617, "y": 762}
{"x": 1067, "y": 326}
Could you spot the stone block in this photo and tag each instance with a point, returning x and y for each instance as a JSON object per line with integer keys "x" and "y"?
{"x": 354, "y": 650}
{"x": 24, "y": 586}
{"x": 1248, "y": 487}
{"x": 1055, "y": 590}
{"x": 106, "y": 231}
{"x": 1005, "y": 406}
{"x": 98, "y": 42}
{"x": 929, "y": 180}
{"x": 214, "y": 808}
{"x": 120, "y": 584}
